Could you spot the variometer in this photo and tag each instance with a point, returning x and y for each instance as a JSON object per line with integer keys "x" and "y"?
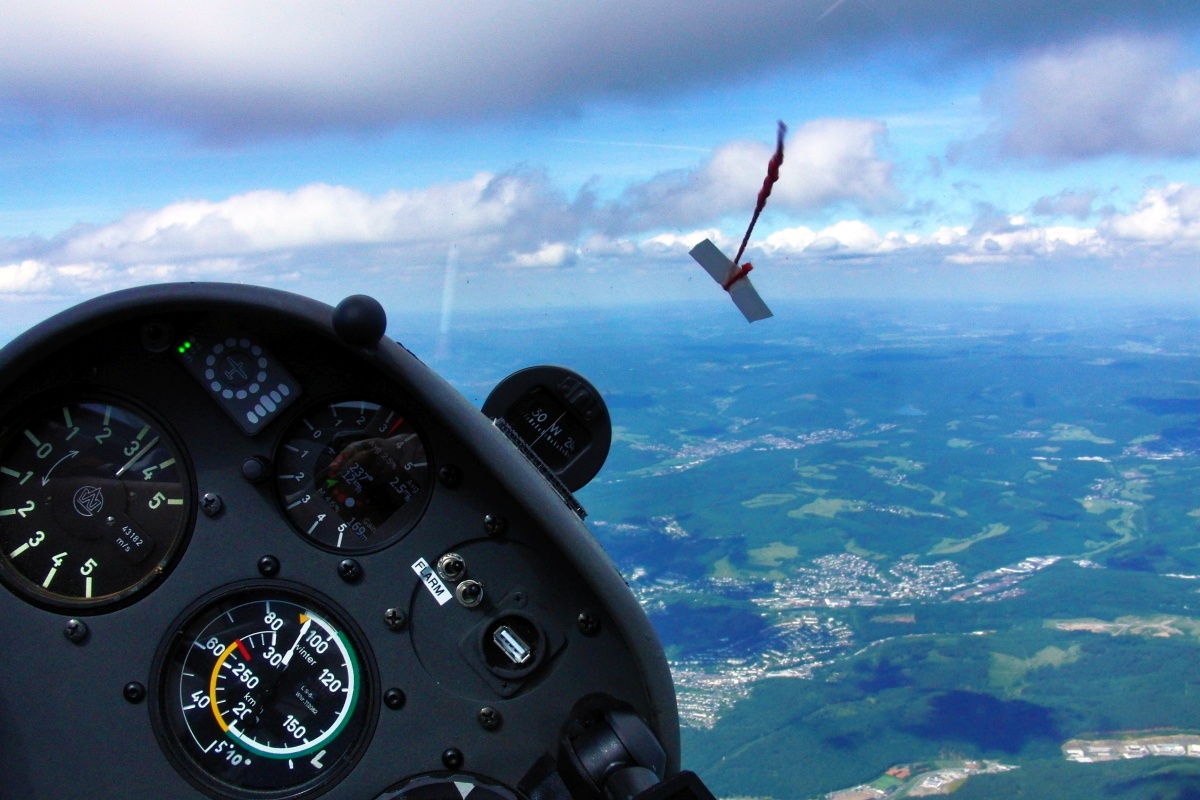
{"x": 94, "y": 503}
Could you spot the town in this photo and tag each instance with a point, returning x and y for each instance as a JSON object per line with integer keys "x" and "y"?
{"x": 803, "y": 635}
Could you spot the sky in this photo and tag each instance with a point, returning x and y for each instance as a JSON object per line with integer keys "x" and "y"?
{"x": 545, "y": 155}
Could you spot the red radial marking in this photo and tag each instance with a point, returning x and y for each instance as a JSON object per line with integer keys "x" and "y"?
{"x": 242, "y": 647}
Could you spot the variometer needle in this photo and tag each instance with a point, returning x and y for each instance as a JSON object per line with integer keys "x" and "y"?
{"x": 137, "y": 456}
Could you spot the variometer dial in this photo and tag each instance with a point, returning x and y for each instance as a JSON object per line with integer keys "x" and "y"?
{"x": 94, "y": 503}
{"x": 353, "y": 475}
{"x": 263, "y": 691}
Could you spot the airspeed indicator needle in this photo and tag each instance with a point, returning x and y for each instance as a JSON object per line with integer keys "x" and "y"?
{"x": 306, "y": 622}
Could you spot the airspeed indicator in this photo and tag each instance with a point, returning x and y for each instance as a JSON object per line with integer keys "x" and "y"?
{"x": 263, "y": 691}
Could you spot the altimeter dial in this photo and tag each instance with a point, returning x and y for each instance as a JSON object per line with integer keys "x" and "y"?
{"x": 94, "y": 503}
{"x": 352, "y": 475}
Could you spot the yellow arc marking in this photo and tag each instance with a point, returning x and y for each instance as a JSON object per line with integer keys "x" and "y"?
{"x": 212, "y": 684}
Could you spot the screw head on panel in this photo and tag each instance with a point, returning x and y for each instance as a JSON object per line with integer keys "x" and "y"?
{"x": 395, "y": 619}
{"x": 350, "y": 570}
{"x": 589, "y": 623}
{"x": 494, "y": 525}
{"x": 489, "y": 718}
{"x": 211, "y": 504}
{"x": 76, "y": 631}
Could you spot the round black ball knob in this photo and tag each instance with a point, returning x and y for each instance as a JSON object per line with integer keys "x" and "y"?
{"x": 360, "y": 321}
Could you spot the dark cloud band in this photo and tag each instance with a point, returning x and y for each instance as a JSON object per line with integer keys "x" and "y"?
{"x": 229, "y": 70}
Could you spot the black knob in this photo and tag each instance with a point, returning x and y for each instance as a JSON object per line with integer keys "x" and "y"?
{"x": 360, "y": 321}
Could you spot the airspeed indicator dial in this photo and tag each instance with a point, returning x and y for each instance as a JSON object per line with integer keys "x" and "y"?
{"x": 94, "y": 503}
{"x": 263, "y": 691}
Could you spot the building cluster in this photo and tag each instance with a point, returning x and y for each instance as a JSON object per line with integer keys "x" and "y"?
{"x": 1088, "y": 752}
{"x": 801, "y": 638}
{"x": 710, "y": 683}
{"x": 1001, "y": 584}
{"x": 844, "y": 579}
{"x": 941, "y": 780}
{"x": 694, "y": 454}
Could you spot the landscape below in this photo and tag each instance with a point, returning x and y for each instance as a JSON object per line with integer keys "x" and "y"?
{"x": 947, "y": 543}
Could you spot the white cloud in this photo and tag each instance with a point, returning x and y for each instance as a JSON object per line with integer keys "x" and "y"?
{"x": 486, "y": 212}
{"x": 1169, "y": 215}
{"x": 1099, "y": 97}
{"x": 24, "y": 277}
{"x": 552, "y": 254}
{"x": 692, "y": 238}
{"x": 856, "y": 239}
{"x": 1166, "y": 219}
{"x": 337, "y": 236}
{"x": 826, "y": 161}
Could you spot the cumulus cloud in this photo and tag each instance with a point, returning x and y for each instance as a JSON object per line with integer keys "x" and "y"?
{"x": 24, "y": 277}
{"x": 501, "y": 223}
{"x": 825, "y": 162}
{"x": 859, "y": 241}
{"x": 486, "y": 213}
{"x": 1111, "y": 95}
{"x": 516, "y": 219}
{"x": 227, "y": 68}
{"x": 1165, "y": 216}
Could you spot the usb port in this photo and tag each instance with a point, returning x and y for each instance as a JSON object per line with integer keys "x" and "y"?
{"x": 511, "y": 645}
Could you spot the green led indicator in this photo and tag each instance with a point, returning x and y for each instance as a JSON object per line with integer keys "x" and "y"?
{"x": 183, "y": 348}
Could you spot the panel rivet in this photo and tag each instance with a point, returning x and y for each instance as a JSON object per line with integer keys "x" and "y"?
{"x": 134, "y": 692}
{"x": 450, "y": 476}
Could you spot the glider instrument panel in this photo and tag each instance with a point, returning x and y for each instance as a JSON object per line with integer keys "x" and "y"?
{"x": 251, "y": 548}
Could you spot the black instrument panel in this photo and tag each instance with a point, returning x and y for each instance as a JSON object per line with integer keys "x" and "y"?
{"x": 356, "y": 585}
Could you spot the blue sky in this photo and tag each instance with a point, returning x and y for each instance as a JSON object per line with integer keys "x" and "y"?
{"x": 571, "y": 154}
